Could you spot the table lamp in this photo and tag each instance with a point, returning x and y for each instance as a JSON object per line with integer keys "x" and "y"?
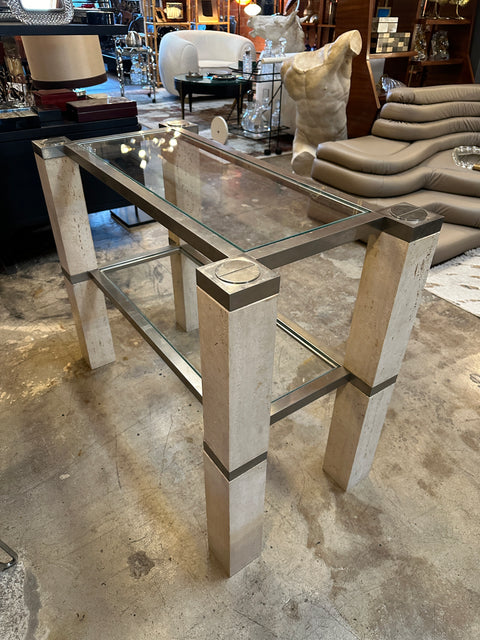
{"x": 64, "y": 62}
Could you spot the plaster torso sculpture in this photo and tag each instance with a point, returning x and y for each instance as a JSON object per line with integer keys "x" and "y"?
{"x": 275, "y": 27}
{"x": 319, "y": 83}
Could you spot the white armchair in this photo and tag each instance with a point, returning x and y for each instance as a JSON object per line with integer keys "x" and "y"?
{"x": 201, "y": 51}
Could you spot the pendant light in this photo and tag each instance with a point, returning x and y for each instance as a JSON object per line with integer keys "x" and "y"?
{"x": 253, "y": 9}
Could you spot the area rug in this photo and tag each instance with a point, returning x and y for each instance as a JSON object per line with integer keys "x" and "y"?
{"x": 458, "y": 281}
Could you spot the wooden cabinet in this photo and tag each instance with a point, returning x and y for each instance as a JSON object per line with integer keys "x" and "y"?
{"x": 161, "y": 16}
{"x": 364, "y": 101}
{"x": 23, "y": 214}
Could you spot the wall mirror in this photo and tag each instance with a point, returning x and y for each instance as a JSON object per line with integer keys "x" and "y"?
{"x": 42, "y": 11}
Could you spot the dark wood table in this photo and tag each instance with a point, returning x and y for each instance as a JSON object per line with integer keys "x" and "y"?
{"x": 235, "y": 87}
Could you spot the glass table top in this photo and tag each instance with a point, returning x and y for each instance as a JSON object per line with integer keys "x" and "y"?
{"x": 242, "y": 200}
{"x": 231, "y": 203}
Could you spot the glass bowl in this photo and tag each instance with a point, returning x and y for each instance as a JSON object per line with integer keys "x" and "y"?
{"x": 466, "y": 157}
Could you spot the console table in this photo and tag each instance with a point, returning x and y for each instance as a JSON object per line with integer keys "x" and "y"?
{"x": 223, "y": 251}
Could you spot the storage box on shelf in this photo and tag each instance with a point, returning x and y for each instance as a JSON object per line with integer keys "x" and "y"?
{"x": 392, "y": 42}
{"x": 384, "y": 25}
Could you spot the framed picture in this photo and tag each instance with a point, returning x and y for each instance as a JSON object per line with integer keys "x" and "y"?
{"x": 174, "y": 10}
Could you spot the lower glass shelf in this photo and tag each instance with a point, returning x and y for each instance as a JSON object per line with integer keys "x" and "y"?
{"x": 143, "y": 290}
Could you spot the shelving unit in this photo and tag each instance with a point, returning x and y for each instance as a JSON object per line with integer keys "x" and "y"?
{"x": 458, "y": 68}
{"x": 210, "y": 13}
{"x": 364, "y": 102}
{"x": 194, "y": 14}
{"x": 319, "y": 33}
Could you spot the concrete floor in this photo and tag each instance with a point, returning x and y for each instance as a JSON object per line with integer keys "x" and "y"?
{"x": 102, "y": 483}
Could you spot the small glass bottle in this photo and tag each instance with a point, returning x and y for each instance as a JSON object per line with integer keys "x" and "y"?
{"x": 247, "y": 63}
{"x": 276, "y": 116}
{"x": 277, "y": 67}
{"x": 265, "y": 110}
{"x": 248, "y": 113}
{"x": 266, "y": 68}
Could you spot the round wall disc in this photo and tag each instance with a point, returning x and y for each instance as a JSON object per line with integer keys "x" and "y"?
{"x": 219, "y": 129}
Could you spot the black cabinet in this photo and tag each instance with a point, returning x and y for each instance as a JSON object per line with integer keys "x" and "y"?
{"x": 22, "y": 209}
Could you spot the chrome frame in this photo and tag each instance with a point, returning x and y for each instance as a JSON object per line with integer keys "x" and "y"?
{"x": 287, "y": 403}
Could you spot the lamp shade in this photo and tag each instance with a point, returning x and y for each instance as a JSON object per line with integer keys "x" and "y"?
{"x": 58, "y": 62}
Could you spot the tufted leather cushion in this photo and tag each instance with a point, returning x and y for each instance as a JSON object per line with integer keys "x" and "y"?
{"x": 371, "y": 154}
{"x": 429, "y": 112}
{"x": 460, "y": 231}
{"x": 447, "y": 179}
{"x": 423, "y": 130}
{"x": 433, "y": 95}
{"x": 408, "y": 158}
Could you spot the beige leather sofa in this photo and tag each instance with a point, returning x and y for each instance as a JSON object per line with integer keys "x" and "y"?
{"x": 408, "y": 158}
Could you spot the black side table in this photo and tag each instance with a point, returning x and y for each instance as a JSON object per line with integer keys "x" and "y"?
{"x": 235, "y": 87}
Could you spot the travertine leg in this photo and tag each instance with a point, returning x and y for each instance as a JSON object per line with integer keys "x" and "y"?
{"x": 237, "y": 300}
{"x": 184, "y": 288}
{"x": 63, "y": 191}
{"x": 183, "y": 188}
{"x": 235, "y": 514}
{"x": 393, "y": 277}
